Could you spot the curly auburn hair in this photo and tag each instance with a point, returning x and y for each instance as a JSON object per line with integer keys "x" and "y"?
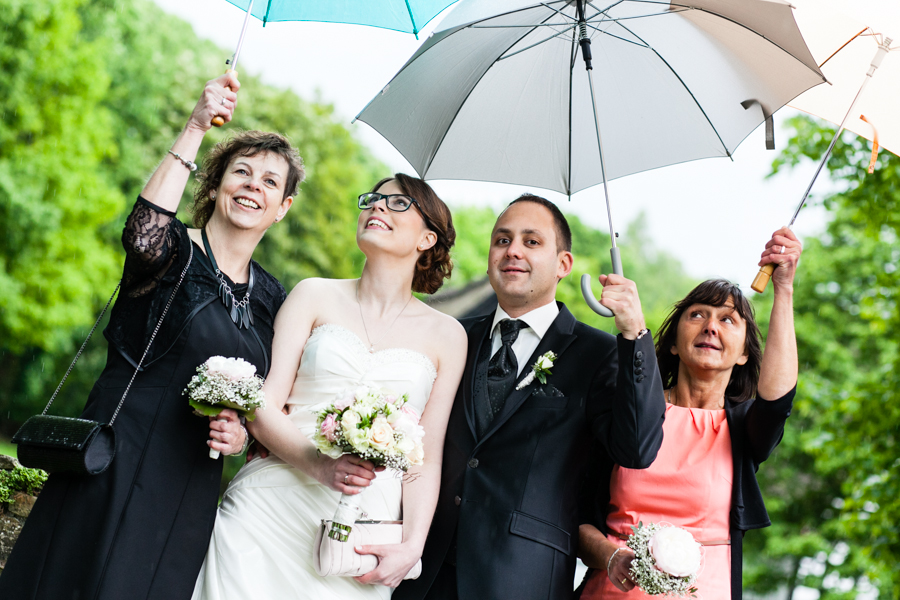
{"x": 434, "y": 265}
{"x": 713, "y": 292}
{"x": 243, "y": 143}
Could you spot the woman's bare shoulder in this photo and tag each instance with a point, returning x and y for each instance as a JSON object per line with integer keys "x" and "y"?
{"x": 448, "y": 337}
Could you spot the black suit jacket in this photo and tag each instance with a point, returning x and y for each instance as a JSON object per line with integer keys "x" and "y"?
{"x": 512, "y": 495}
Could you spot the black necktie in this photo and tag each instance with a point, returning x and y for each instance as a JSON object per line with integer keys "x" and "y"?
{"x": 501, "y": 373}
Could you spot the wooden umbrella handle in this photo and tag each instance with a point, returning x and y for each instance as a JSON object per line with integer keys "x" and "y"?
{"x": 218, "y": 121}
{"x": 762, "y": 278}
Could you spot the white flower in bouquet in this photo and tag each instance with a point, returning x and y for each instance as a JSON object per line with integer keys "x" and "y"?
{"x": 232, "y": 368}
{"x": 666, "y": 561}
{"x": 381, "y": 434}
{"x": 373, "y": 424}
{"x": 222, "y": 383}
{"x": 675, "y": 551}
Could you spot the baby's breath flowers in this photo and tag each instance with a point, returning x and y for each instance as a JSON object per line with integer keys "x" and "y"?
{"x": 666, "y": 560}
{"x": 225, "y": 383}
{"x": 376, "y": 425}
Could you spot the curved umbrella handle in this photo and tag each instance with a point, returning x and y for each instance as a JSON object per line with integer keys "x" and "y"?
{"x": 586, "y": 285}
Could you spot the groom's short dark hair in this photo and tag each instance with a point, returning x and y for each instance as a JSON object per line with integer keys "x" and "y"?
{"x": 563, "y": 233}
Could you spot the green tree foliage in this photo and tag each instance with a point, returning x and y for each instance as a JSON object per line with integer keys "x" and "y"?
{"x": 833, "y": 487}
{"x": 94, "y": 92}
{"x": 54, "y": 137}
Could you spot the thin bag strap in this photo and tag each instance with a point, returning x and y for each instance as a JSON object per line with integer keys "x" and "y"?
{"x": 80, "y": 350}
{"x": 146, "y": 350}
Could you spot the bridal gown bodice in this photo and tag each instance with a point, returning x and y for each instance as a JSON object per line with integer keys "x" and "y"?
{"x": 262, "y": 543}
{"x": 335, "y": 359}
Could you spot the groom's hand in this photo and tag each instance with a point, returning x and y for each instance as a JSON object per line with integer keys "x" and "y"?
{"x": 394, "y": 562}
{"x": 620, "y": 295}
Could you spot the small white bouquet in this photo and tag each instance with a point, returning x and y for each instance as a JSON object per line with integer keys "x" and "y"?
{"x": 373, "y": 424}
{"x": 667, "y": 560}
{"x": 225, "y": 383}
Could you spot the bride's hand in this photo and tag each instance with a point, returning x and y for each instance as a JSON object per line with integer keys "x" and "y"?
{"x": 348, "y": 474}
{"x": 394, "y": 562}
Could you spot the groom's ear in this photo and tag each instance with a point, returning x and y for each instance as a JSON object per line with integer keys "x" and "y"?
{"x": 565, "y": 264}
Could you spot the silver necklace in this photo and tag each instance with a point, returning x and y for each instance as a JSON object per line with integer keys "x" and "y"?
{"x": 387, "y": 331}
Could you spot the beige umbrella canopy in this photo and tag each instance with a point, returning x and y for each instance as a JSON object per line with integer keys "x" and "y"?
{"x": 857, "y": 46}
{"x": 844, "y": 44}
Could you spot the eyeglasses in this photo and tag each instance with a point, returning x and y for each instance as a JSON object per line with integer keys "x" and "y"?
{"x": 394, "y": 202}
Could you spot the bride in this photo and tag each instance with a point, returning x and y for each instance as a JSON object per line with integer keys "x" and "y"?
{"x": 331, "y": 336}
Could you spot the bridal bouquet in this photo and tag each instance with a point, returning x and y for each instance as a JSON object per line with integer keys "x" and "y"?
{"x": 666, "y": 561}
{"x": 373, "y": 424}
{"x": 225, "y": 383}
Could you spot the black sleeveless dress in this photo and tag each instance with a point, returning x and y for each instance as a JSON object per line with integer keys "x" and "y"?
{"x": 141, "y": 529}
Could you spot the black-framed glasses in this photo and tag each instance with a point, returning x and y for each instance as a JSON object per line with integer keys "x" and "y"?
{"x": 394, "y": 202}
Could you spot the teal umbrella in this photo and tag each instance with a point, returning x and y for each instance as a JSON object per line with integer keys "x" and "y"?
{"x": 408, "y": 16}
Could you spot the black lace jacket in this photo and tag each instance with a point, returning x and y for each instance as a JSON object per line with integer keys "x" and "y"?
{"x": 157, "y": 247}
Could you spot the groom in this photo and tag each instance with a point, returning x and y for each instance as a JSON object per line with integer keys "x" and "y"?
{"x": 516, "y": 453}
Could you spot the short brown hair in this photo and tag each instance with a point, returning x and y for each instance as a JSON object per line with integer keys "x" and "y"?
{"x": 434, "y": 265}
{"x": 243, "y": 143}
{"x": 713, "y": 292}
{"x": 563, "y": 232}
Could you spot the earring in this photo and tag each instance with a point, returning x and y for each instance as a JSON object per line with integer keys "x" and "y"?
{"x": 213, "y": 196}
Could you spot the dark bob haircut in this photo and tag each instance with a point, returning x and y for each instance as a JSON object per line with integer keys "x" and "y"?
{"x": 243, "y": 143}
{"x": 713, "y": 292}
{"x": 434, "y": 265}
{"x": 563, "y": 233}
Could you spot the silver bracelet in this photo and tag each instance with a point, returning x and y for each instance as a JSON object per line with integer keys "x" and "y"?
{"x": 246, "y": 440}
{"x": 192, "y": 166}
{"x": 609, "y": 562}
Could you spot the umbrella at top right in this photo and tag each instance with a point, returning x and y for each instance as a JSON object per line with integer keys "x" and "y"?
{"x": 857, "y": 47}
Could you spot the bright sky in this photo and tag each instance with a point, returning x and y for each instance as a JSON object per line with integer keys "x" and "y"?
{"x": 714, "y": 215}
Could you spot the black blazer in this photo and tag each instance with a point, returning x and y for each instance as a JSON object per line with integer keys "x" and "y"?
{"x": 756, "y": 427}
{"x": 512, "y": 496}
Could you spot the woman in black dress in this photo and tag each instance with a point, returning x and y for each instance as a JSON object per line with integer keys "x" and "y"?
{"x": 141, "y": 528}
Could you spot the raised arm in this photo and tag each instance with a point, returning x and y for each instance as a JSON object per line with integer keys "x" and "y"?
{"x": 166, "y": 185}
{"x": 779, "y": 370}
{"x": 422, "y": 484}
{"x": 632, "y": 406}
{"x": 148, "y": 239}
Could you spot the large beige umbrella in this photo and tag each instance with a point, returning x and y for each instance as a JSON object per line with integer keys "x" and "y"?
{"x": 856, "y": 44}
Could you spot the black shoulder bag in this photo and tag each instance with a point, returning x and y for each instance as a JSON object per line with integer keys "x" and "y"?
{"x": 81, "y": 446}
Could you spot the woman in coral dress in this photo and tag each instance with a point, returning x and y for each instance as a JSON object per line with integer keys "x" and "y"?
{"x": 726, "y": 406}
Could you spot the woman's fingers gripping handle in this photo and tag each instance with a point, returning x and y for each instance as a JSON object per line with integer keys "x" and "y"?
{"x": 218, "y": 101}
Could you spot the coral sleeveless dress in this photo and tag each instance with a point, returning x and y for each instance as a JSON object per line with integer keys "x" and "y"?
{"x": 688, "y": 485}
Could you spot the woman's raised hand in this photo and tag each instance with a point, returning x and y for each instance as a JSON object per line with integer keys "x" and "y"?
{"x": 619, "y": 568}
{"x": 783, "y": 250}
{"x": 348, "y": 474}
{"x": 219, "y": 99}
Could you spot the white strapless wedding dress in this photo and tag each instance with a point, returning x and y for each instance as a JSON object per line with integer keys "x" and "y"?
{"x": 262, "y": 544}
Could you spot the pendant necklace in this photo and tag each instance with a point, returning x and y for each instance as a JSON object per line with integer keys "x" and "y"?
{"x": 239, "y": 310}
{"x": 387, "y": 331}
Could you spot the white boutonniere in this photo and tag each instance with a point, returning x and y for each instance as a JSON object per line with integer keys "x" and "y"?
{"x": 539, "y": 370}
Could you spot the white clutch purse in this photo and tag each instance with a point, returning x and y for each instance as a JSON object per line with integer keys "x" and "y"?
{"x": 332, "y": 557}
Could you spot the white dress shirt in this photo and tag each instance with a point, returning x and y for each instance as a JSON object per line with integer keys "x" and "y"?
{"x": 538, "y": 321}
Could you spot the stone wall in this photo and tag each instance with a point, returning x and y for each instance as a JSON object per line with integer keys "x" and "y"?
{"x": 12, "y": 514}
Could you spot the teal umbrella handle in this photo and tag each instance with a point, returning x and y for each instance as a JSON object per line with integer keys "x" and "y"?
{"x": 586, "y": 285}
